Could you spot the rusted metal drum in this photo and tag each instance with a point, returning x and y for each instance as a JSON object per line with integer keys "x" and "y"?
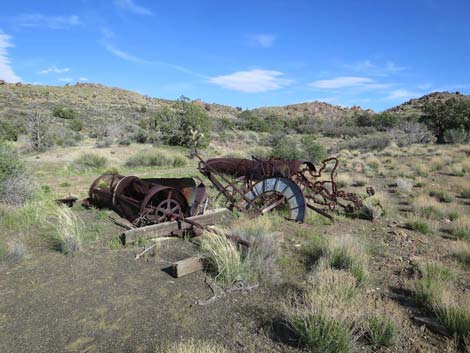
{"x": 147, "y": 201}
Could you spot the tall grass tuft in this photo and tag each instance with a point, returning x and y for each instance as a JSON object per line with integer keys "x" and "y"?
{"x": 381, "y": 330}
{"x": 68, "y": 233}
{"x": 461, "y": 228}
{"x": 224, "y": 257}
{"x": 346, "y": 253}
{"x": 430, "y": 288}
{"x": 325, "y": 315}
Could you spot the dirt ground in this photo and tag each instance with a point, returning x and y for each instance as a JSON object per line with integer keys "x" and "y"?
{"x": 102, "y": 300}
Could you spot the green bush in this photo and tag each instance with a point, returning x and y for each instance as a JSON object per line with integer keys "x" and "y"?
{"x": 314, "y": 151}
{"x": 180, "y": 125}
{"x": 10, "y": 163}
{"x": 286, "y": 148}
{"x": 417, "y": 225}
{"x": 76, "y": 124}
{"x": 9, "y": 131}
{"x": 64, "y": 113}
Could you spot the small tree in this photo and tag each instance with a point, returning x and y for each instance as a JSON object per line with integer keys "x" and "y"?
{"x": 441, "y": 116}
{"x": 38, "y": 129}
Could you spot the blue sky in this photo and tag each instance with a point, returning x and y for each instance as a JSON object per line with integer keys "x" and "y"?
{"x": 374, "y": 54}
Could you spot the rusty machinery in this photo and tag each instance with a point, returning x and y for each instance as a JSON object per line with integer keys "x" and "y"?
{"x": 254, "y": 186}
{"x": 147, "y": 201}
{"x": 261, "y": 185}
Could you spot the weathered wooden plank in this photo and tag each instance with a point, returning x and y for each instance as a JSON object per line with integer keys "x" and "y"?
{"x": 163, "y": 229}
{"x": 187, "y": 266}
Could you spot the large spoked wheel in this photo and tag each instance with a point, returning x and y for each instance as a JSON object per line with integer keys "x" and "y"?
{"x": 277, "y": 194}
{"x": 165, "y": 205}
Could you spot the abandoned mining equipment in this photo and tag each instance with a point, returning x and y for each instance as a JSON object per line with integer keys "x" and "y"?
{"x": 261, "y": 185}
{"x": 147, "y": 201}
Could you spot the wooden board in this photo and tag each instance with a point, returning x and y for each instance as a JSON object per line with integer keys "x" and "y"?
{"x": 163, "y": 229}
{"x": 187, "y": 266}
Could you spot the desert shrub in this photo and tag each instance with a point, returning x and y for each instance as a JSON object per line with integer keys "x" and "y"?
{"x": 68, "y": 234}
{"x": 404, "y": 185}
{"x": 76, "y": 124}
{"x": 410, "y": 132}
{"x": 89, "y": 161}
{"x": 359, "y": 180}
{"x": 190, "y": 346}
{"x": 316, "y": 248}
{"x": 370, "y": 143}
{"x": 104, "y": 142}
{"x": 381, "y": 330}
{"x": 314, "y": 151}
{"x": 140, "y": 136}
{"x": 155, "y": 158}
{"x": 456, "y": 136}
{"x": 414, "y": 223}
{"x": 427, "y": 207}
{"x": 124, "y": 142}
{"x": 16, "y": 185}
{"x": 64, "y": 113}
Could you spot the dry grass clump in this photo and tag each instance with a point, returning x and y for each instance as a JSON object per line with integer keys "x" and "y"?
{"x": 347, "y": 253}
{"x": 376, "y": 206}
{"x": 232, "y": 264}
{"x": 455, "y": 317}
{"x": 325, "y": 315}
{"x": 359, "y": 180}
{"x": 373, "y": 163}
{"x": 13, "y": 252}
{"x": 461, "y": 228}
{"x": 464, "y": 189}
{"x": 381, "y": 330}
{"x": 461, "y": 252}
{"x": 89, "y": 161}
{"x": 427, "y": 207}
{"x": 417, "y": 224}
{"x": 441, "y": 196}
{"x": 429, "y": 290}
{"x": 191, "y": 346}
{"x": 421, "y": 169}
{"x": 68, "y": 233}
{"x": 438, "y": 163}
{"x": 155, "y": 158}
{"x": 343, "y": 180}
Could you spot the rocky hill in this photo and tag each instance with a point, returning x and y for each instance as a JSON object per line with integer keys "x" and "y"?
{"x": 415, "y": 106}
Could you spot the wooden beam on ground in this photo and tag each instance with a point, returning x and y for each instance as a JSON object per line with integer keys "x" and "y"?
{"x": 163, "y": 229}
{"x": 187, "y": 266}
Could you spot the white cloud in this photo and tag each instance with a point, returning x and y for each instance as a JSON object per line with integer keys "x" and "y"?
{"x": 373, "y": 69}
{"x": 83, "y": 79}
{"x": 252, "y": 81}
{"x": 348, "y": 81}
{"x": 262, "y": 40}
{"x": 65, "y": 79}
{"x": 55, "y": 69}
{"x": 131, "y": 6}
{"x": 52, "y": 22}
{"x": 124, "y": 55}
{"x": 6, "y": 71}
